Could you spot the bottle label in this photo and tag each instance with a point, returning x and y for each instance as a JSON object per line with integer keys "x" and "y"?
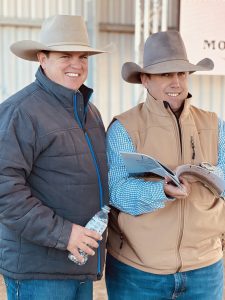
{"x": 97, "y": 225}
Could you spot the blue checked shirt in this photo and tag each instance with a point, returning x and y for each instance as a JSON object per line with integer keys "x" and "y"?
{"x": 136, "y": 196}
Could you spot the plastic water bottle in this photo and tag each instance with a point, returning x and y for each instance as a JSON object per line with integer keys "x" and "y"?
{"x": 98, "y": 223}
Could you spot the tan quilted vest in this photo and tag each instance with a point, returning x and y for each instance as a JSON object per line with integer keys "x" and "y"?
{"x": 184, "y": 235}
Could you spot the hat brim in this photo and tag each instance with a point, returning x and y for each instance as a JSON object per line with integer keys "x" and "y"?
{"x": 131, "y": 71}
{"x": 28, "y": 50}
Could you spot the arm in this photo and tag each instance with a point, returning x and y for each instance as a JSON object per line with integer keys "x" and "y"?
{"x": 221, "y": 148}
{"x": 221, "y": 151}
{"x": 128, "y": 194}
{"x": 20, "y": 210}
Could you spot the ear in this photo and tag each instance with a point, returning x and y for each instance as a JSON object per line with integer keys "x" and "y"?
{"x": 145, "y": 79}
{"x": 42, "y": 57}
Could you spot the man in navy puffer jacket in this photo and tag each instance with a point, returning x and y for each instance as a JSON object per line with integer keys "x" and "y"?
{"x": 53, "y": 170}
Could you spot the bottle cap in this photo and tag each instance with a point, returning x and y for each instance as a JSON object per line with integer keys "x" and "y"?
{"x": 106, "y": 208}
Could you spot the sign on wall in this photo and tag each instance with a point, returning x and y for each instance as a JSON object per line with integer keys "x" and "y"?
{"x": 203, "y": 31}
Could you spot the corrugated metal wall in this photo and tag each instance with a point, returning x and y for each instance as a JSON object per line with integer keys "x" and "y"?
{"x": 209, "y": 93}
{"x": 21, "y": 20}
{"x": 111, "y": 26}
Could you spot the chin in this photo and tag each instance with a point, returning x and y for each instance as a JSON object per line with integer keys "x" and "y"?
{"x": 72, "y": 87}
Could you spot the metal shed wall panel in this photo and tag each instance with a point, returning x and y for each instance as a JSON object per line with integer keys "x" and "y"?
{"x": 209, "y": 93}
{"x": 21, "y": 19}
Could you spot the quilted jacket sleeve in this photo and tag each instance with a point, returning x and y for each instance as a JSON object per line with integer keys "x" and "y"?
{"x": 19, "y": 209}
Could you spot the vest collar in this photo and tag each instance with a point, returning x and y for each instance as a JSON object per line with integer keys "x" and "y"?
{"x": 162, "y": 108}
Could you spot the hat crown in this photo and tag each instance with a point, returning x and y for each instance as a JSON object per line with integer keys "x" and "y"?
{"x": 64, "y": 29}
{"x": 61, "y": 33}
{"x": 164, "y": 52}
{"x": 162, "y": 47}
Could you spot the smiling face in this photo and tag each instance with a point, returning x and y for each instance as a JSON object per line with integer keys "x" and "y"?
{"x": 69, "y": 69}
{"x": 170, "y": 87}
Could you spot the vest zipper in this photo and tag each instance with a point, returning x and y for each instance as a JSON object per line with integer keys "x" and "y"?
{"x": 179, "y": 130}
{"x": 182, "y": 204}
{"x": 182, "y": 201}
{"x": 76, "y": 117}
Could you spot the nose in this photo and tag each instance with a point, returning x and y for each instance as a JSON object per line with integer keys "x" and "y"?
{"x": 175, "y": 82}
{"x": 75, "y": 62}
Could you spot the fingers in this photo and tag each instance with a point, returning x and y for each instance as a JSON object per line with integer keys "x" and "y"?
{"x": 87, "y": 249}
{"x": 77, "y": 255}
{"x": 174, "y": 191}
{"x": 93, "y": 234}
{"x": 177, "y": 192}
{"x": 185, "y": 185}
{"x": 83, "y": 239}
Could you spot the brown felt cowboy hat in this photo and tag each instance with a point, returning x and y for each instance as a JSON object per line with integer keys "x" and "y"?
{"x": 164, "y": 52}
{"x": 58, "y": 33}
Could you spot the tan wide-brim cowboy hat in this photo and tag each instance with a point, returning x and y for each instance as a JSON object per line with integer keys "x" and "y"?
{"x": 58, "y": 33}
{"x": 164, "y": 52}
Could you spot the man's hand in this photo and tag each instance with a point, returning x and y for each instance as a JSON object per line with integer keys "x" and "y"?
{"x": 83, "y": 239}
{"x": 175, "y": 192}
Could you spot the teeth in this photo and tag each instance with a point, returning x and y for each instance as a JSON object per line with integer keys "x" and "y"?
{"x": 72, "y": 74}
{"x": 173, "y": 94}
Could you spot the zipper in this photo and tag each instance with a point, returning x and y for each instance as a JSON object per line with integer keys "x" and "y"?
{"x": 193, "y": 149}
{"x": 182, "y": 205}
{"x": 181, "y": 201}
{"x": 90, "y": 146}
{"x": 121, "y": 240}
{"x": 179, "y": 131}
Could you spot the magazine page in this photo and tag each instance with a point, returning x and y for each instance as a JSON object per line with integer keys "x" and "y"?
{"x": 138, "y": 163}
{"x": 205, "y": 173}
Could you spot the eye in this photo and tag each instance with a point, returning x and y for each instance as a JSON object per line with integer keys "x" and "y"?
{"x": 64, "y": 56}
{"x": 182, "y": 74}
{"x": 84, "y": 57}
{"x": 165, "y": 74}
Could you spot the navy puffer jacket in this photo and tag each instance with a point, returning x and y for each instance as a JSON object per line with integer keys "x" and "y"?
{"x": 53, "y": 173}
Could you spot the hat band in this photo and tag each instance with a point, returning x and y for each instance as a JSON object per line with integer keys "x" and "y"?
{"x": 67, "y": 44}
{"x": 164, "y": 61}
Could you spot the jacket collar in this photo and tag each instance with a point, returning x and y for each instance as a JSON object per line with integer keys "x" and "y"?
{"x": 63, "y": 94}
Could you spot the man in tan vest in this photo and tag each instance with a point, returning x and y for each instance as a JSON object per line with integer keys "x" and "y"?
{"x": 164, "y": 242}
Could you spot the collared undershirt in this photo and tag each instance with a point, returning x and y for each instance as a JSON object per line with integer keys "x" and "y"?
{"x": 136, "y": 196}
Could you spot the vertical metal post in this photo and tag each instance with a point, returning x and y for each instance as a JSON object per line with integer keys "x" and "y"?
{"x": 147, "y": 11}
{"x": 138, "y": 42}
{"x": 91, "y": 22}
{"x": 138, "y": 30}
{"x": 164, "y": 16}
{"x": 155, "y": 16}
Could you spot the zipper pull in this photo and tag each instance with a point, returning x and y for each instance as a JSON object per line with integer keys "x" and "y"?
{"x": 193, "y": 147}
{"x": 121, "y": 240}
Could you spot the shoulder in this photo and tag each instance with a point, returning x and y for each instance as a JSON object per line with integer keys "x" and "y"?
{"x": 19, "y": 107}
{"x": 116, "y": 128}
{"x": 95, "y": 114}
{"x": 21, "y": 99}
{"x": 205, "y": 117}
{"x": 132, "y": 119}
{"x": 203, "y": 113}
{"x": 130, "y": 112}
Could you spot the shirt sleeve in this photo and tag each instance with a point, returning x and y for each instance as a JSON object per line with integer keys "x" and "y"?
{"x": 129, "y": 194}
{"x": 221, "y": 151}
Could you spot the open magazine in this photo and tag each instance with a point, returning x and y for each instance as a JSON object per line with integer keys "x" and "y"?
{"x": 139, "y": 164}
